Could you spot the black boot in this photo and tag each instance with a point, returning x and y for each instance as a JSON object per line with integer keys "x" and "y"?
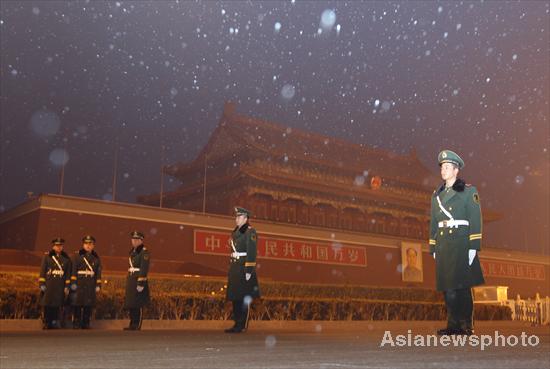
{"x": 135, "y": 319}
{"x": 86, "y": 315}
{"x": 448, "y": 331}
{"x": 466, "y": 320}
{"x": 51, "y": 316}
{"x": 465, "y": 331}
{"x": 240, "y": 315}
{"x": 77, "y": 317}
{"x": 234, "y": 329}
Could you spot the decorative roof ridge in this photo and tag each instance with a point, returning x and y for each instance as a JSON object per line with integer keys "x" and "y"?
{"x": 238, "y": 119}
{"x": 231, "y": 121}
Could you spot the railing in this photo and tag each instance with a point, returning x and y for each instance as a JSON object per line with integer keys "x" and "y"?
{"x": 536, "y": 311}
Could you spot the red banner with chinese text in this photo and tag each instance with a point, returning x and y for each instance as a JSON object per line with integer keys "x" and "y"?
{"x": 506, "y": 269}
{"x": 278, "y": 248}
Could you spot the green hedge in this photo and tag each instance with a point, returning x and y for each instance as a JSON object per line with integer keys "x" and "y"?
{"x": 204, "y": 299}
{"x": 207, "y": 286}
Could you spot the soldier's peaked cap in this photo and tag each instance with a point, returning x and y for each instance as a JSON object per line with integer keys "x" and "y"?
{"x": 137, "y": 235}
{"x": 88, "y": 238}
{"x": 448, "y": 156}
{"x": 242, "y": 211}
{"x": 58, "y": 241}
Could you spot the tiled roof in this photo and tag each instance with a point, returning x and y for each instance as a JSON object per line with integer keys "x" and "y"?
{"x": 289, "y": 144}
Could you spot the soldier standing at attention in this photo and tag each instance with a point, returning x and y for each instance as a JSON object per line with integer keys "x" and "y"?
{"x": 137, "y": 287}
{"x": 242, "y": 284}
{"x": 54, "y": 280}
{"x": 455, "y": 239}
{"x": 85, "y": 282}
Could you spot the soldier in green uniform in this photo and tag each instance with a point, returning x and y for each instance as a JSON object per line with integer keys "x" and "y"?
{"x": 455, "y": 240}
{"x": 242, "y": 286}
{"x": 85, "y": 282}
{"x": 55, "y": 273}
{"x": 137, "y": 286}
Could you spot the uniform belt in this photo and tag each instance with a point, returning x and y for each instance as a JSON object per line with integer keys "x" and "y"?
{"x": 132, "y": 270}
{"x": 453, "y": 223}
{"x": 236, "y": 255}
{"x": 86, "y": 272}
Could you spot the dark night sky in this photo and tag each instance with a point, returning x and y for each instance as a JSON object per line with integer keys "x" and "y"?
{"x": 468, "y": 76}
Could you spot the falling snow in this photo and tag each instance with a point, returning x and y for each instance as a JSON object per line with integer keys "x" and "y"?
{"x": 82, "y": 80}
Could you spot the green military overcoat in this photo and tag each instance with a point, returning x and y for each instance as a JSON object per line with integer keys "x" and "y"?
{"x": 86, "y": 276}
{"x": 452, "y": 245}
{"x": 245, "y": 241}
{"x": 55, "y": 274}
{"x": 139, "y": 258}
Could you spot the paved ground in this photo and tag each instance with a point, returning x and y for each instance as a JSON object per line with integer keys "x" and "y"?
{"x": 267, "y": 345}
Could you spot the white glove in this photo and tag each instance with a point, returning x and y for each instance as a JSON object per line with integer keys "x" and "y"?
{"x": 43, "y": 288}
{"x": 66, "y": 290}
{"x": 471, "y": 256}
{"x": 247, "y": 276}
{"x": 97, "y": 289}
{"x": 434, "y": 255}
{"x": 139, "y": 288}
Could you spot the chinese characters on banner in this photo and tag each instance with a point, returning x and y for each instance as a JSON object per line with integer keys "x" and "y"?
{"x": 277, "y": 248}
{"x": 512, "y": 270}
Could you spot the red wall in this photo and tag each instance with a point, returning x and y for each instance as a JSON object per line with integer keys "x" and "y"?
{"x": 171, "y": 246}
